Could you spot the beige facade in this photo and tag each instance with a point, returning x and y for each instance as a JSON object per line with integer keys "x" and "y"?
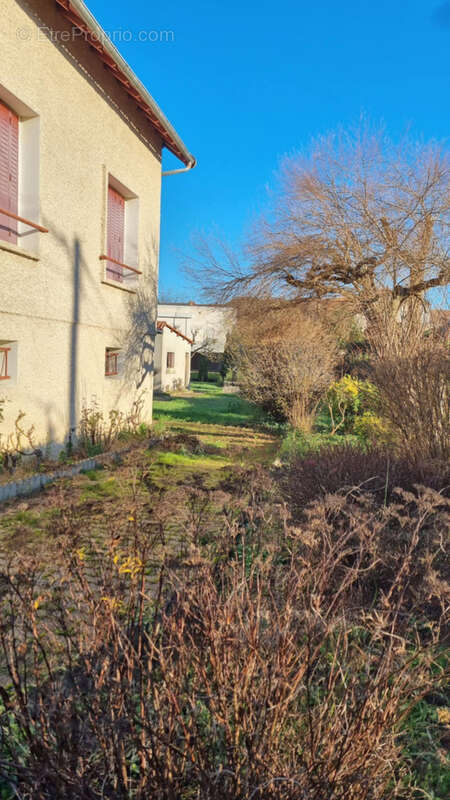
{"x": 79, "y": 132}
{"x": 172, "y": 359}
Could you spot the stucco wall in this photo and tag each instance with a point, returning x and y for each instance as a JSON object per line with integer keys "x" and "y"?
{"x": 55, "y": 305}
{"x": 171, "y": 379}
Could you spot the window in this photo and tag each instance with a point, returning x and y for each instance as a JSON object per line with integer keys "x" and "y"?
{"x": 9, "y": 172}
{"x": 170, "y": 360}
{"x": 19, "y": 174}
{"x": 8, "y": 361}
{"x": 116, "y": 233}
{"x": 121, "y": 235}
{"x": 4, "y": 370}
{"x": 111, "y": 361}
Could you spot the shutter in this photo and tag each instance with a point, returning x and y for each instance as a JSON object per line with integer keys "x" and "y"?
{"x": 9, "y": 172}
{"x": 116, "y": 229}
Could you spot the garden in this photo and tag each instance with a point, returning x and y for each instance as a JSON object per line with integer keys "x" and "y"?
{"x": 248, "y": 598}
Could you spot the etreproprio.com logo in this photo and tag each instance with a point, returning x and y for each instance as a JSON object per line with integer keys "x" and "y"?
{"x": 26, "y": 34}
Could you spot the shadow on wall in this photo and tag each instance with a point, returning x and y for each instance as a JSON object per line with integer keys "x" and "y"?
{"x": 74, "y": 336}
{"x": 139, "y": 338}
{"x": 134, "y": 331}
{"x": 137, "y": 331}
{"x": 79, "y": 270}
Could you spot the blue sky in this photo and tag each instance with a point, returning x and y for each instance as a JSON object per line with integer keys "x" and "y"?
{"x": 246, "y": 83}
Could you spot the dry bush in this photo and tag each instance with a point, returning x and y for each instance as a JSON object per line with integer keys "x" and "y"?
{"x": 17, "y": 444}
{"x": 265, "y": 671}
{"x": 375, "y": 471}
{"x": 98, "y": 433}
{"x": 285, "y": 360}
{"x": 415, "y": 395}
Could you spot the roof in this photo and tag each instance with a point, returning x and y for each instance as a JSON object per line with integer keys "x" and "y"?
{"x": 161, "y": 324}
{"x": 191, "y": 304}
{"x": 79, "y": 15}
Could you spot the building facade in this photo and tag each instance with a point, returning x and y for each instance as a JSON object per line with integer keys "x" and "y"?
{"x": 172, "y": 359}
{"x": 206, "y": 325}
{"x": 80, "y": 183}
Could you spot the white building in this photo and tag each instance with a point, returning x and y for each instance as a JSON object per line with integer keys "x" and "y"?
{"x": 172, "y": 360}
{"x": 206, "y": 325}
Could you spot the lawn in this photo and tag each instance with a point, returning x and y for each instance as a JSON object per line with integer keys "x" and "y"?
{"x": 207, "y": 403}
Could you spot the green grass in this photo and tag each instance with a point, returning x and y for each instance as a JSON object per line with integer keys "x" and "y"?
{"x": 100, "y": 488}
{"x": 426, "y": 753}
{"x": 171, "y": 468}
{"x": 296, "y": 444}
{"x": 207, "y": 404}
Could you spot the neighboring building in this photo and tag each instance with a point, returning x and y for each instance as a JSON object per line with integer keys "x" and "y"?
{"x": 80, "y": 179}
{"x": 207, "y": 325}
{"x": 172, "y": 358}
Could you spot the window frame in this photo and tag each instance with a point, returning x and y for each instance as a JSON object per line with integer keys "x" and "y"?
{"x": 112, "y": 353}
{"x": 9, "y": 201}
{"x": 122, "y": 272}
{"x": 4, "y": 376}
{"x": 25, "y": 221}
{"x": 170, "y": 357}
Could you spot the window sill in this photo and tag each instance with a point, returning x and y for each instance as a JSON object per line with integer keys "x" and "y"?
{"x": 117, "y": 285}
{"x": 18, "y": 251}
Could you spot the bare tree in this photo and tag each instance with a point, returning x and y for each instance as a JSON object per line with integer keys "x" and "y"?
{"x": 358, "y": 217}
{"x": 204, "y": 343}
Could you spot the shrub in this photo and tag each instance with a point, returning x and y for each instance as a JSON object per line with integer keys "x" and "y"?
{"x": 17, "y": 444}
{"x": 375, "y": 470}
{"x": 415, "y": 398}
{"x": 98, "y": 433}
{"x": 281, "y": 665}
{"x": 285, "y": 363}
{"x": 203, "y": 368}
{"x": 354, "y": 407}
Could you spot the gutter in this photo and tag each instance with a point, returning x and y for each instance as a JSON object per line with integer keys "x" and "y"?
{"x": 80, "y": 16}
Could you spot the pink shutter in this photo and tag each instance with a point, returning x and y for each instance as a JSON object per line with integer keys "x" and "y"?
{"x": 9, "y": 172}
{"x": 116, "y": 229}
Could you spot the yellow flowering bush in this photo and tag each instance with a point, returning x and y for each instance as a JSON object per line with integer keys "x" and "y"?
{"x": 353, "y": 407}
{"x": 372, "y": 427}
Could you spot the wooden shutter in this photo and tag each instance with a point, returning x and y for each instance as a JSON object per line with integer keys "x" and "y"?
{"x": 116, "y": 229}
{"x": 9, "y": 172}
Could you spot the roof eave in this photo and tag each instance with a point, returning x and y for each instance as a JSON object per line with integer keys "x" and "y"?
{"x": 80, "y": 16}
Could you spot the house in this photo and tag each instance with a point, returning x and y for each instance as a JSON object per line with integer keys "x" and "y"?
{"x": 207, "y": 324}
{"x": 81, "y": 144}
{"x": 172, "y": 358}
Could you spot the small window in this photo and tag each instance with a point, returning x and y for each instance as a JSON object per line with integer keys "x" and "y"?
{"x": 170, "y": 360}
{"x": 111, "y": 361}
{"x": 8, "y": 360}
{"x": 4, "y": 369}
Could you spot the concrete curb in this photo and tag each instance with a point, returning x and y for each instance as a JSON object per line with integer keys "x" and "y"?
{"x": 9, "y": 491}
